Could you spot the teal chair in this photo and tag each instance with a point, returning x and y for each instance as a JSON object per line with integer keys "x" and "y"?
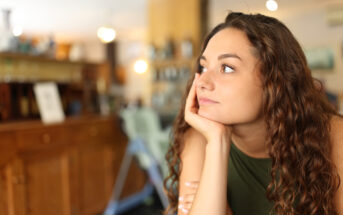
{"x": 148, "y": 142}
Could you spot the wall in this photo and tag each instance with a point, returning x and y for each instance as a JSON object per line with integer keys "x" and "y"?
{"x": 137, "y": 85}
{"x": 312, "y": 30}
{"x": 307, "y": 20}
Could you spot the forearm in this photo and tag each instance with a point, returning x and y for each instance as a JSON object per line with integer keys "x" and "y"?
{"x": 211, "y": 196}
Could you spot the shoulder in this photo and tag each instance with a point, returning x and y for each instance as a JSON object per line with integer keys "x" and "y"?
{"x": 336, "y": 136}
{"x": 193, "y": 148}
{"x": 336, "y": 126}
{"x": 192, "y": 139}
{"x": 191, "y": 133}
{"x": 192, "y": 157}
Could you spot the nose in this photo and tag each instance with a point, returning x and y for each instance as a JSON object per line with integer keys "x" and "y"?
{"x": 205, "y": 81}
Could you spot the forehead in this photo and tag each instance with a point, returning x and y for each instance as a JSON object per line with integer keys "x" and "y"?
{"x": 229, "y": 40}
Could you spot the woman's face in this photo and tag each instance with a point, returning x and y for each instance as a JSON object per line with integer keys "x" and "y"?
{"x": 230, "y": 78}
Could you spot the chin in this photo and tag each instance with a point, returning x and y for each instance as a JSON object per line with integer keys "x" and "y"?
{"x": 214, "y": 116}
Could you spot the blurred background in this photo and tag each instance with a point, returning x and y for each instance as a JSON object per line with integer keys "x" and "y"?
{"x": 120, "y": 69}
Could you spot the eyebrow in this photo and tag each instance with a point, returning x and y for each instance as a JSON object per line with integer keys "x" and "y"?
{"x": 227, "y": 55}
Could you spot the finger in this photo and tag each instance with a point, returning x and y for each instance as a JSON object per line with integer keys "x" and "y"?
{"x": 191, "y": 98}
{"x": 191, "y": 108}
{"x": 183, "y": 209}
{"x": 192, "y": 184}
{"x": 186, "y": 205}
{"x": 188, "y": 198}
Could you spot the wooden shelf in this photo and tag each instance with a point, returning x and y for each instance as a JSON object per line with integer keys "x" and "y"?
{"x": 173, "y": 62}
{"x": 19, "y": 56}
{"x": 172, "y": 22}
{"x": 77, "y": 82}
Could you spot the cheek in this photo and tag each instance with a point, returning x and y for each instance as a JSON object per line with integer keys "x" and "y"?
{"x": 248, "y": 109}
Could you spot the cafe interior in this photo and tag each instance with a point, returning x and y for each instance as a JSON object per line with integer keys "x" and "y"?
{"x": 90, "y": 89}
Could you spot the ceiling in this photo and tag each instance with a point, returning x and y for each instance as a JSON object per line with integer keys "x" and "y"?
{"x": 79, "y": 19}
{"x": 288, "y": 9}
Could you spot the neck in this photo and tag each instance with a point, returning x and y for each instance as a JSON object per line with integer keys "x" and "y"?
{"x": 250, "y": 138}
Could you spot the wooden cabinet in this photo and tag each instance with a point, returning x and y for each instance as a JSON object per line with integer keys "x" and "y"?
{"x": 65, "y": 169}
{"x": 14, "y": 192}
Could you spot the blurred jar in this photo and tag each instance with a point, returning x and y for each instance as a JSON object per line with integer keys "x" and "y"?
{"x": 7, "y": 39}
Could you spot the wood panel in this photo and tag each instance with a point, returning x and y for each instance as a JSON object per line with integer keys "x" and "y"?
{"x": 39, "y": 139}
{"x": 47, "y": 185}
{"x": 174, "y": 19}
{"x": 3, "y": 193}
{"x": 70, "y": 173}
{"x": 15, "y": 188}
{"x": 92, "y": 178}
{"x": 7, "y": 147}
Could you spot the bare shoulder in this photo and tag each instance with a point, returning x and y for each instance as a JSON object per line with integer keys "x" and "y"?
{"x": 192, "y": 137}
{"x": 336, "y": 137}
{"x": 336, "y": 134}
{"x": 193, "y": 146}
{"x": 337, "y": 124}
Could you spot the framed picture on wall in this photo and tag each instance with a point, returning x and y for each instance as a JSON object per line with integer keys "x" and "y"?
{"x": 49, "y": 102}
{"x": 320, "y": 58}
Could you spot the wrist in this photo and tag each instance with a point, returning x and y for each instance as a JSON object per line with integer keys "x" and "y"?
{"x": 220, "y": 143}
{"x": 222, "y": 137}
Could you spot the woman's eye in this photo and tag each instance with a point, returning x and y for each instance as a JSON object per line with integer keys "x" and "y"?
{"x": 202, "y": 69}
{"x": 227, "y": 69}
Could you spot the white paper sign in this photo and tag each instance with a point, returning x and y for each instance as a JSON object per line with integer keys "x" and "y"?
{"x": 49, "y": 102}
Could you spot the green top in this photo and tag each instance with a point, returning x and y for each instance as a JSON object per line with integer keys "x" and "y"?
{"x": 248, "y": 179}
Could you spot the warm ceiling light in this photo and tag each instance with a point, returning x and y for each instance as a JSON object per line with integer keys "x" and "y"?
{"x": 106, "y": 35}
{"x": 271, "y": 5}
{"x": 141, "y": 66}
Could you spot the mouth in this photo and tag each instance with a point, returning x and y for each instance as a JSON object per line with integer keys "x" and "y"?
{"x": 206, "y": 101}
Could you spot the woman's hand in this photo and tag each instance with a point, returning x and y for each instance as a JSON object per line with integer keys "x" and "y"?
{"x": 211, "y": 130}
{"x": 186, "y": 200}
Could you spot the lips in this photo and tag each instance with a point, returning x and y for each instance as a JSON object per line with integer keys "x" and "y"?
{"x": 206, "y": 101}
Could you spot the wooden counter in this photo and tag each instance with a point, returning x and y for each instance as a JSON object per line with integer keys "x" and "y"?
{"x": 62, "y": 169}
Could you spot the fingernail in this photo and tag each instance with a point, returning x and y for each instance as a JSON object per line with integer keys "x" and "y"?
{"x": 184, "y": 210}
{"x": 181, "y": 198}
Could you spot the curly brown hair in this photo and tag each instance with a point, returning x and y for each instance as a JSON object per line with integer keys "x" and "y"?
{"x": 297, "y": 115}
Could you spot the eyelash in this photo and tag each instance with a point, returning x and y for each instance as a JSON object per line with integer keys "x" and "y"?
{"x": 222, "y": 68}
{"x": 201, "y": 69}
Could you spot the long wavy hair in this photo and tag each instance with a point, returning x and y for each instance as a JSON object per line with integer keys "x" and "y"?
{"x": 297, "y": 115}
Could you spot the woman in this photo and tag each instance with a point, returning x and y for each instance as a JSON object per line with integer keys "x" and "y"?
{"x": 255, "y": 134}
